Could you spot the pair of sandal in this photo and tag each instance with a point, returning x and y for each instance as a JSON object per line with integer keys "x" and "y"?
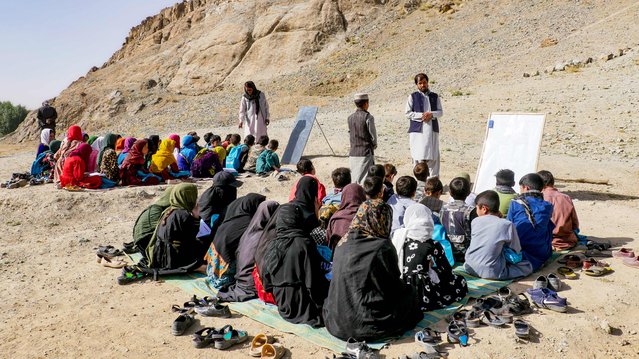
{"x": 430, "y": 340}
{"x": 131, "y": 274}
{"x": 208, "y": 307}
{"x": 222, "y": 339}
{"x": 262, "y": 346}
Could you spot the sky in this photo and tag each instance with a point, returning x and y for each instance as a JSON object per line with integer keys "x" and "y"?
{"x": 47, "y": 44}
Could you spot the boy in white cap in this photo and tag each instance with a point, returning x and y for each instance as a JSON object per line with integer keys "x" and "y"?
{"x": 363, "y": 139}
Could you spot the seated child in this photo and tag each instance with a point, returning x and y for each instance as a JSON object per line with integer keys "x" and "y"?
{"x": 433, "y": 190}
{"x": 268, "y": 160}
{"x": 373, "y": 187}
{"x": 532, "y": 218}
{"x": 227, "y": 141}
{"x": 406, "y": 186}
{"x": 389, "y": 175}
{"x": 491, "y": 236}
{"x": 456, "y": 217}
{"x": 215, "y": 144}
{"x": 505, "y": 180}
{"x": 379, "y": 171}
{"x": 305, "y": 168}
{"x": 421, "y": 173}
{"x": 249, "y": 142}
{"x": 255, "y": 152}
{"x": 233, "y": 141}
{"x": 341, "y": 177}
{"x": 564, "y": 215}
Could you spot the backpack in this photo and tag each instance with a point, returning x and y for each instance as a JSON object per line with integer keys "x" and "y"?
{"x": 205, "y": 164}
{"x": 233, "y": 158}
{"x": 456, "y": 222}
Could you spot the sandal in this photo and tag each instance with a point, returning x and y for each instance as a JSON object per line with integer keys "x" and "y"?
{"x": 182, "y": 323}
{"x": 519, "y": 305}
{"x": 522, "y": 329}
{"x": 596, "y": 271}
{"x": 598, "y": 253}
{"x": 601, "y": 246}
{"x": 428, "y": 337}
{"x": 623, "y": 253}
{"x": 272, "y": 351}
{"x": 108, "y": 252}
{"x": 567, "y": 273}
{"x": 205, "y": 336}
{"x": 209, "y": 307}
{"x": 591, "y": 262}
{"x": 112, "y": 263}
{"x": 131, "y": 274}
{"x": 230, "y": 337}
{"x": 491, "y": 319}
{"x": 570, "y": 261}
{"x": 257, "y": 343}
{"x": 457, "y": 333}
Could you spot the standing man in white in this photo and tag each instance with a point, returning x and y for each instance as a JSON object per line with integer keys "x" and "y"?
{"x": 254, "y": 115}
{"x": 424, "y": 109}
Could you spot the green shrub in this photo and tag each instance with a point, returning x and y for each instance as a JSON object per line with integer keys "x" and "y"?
{"x": 11, "y": 117}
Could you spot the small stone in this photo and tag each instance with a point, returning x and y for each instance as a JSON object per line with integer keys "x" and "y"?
{"x": 549, "y": 69}
{"x": 624, "y": 342}
{"x": 526, "y": 74}
{"x": 588, "y": 60}
{"x": 632, "y": 332}
{"x": 560, "y": 67}
{"x": 606, "y": 57}
{"x": 620, "y": 52}
{"x": 536, "y": 73}
{"x": 605, "y": 327}
{"x": 265, "y": 190}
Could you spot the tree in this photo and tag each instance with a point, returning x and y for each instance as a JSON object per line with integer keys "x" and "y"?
{"x": 11, "y": 117}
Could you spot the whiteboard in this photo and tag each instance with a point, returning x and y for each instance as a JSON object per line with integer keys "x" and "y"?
{"x": 299, "y": 135}
{"x": 512, "y": 142}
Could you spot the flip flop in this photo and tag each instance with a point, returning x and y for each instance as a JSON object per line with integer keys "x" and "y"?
{"x": 522, "y": 329}
{"x": 570, "y": 261}
{"x": 272, "y": 351}
{"x": 457, "y": 333}
{"x": 567, "y": 273}
{"x": 492, "y": 320}
{"x": 598, "y": 253}
{"x": 113, "y": 264}
{"x": 597, "y": 271}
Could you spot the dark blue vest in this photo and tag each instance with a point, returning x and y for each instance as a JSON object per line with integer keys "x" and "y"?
{"x": 418, "y": 106}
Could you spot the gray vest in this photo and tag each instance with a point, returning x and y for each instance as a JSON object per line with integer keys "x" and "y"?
{"x": 360, "y": 136}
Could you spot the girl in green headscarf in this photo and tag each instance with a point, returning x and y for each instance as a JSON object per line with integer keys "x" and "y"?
{"x": 108, "y": 158}
{"x": 147, "y": 221}
{"x": 174, "y": 244}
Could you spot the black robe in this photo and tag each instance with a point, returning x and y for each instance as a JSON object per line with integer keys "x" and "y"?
{"x": 367, "y": 299}
{"x": 176, "y": 245}
{"x": 292, "y": 271}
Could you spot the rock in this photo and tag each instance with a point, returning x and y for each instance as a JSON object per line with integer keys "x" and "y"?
{"x": 526, "y": 74}
{"x": 549, "y": 41}
{"x": 620, "y": 52}
{"x": 560, "y": 67}
{"x": 265, "y": 190}
{"x": 549, "y": 69}
{"x": 606, "y": 57}
{"x": 536, "y": 73}
{"x": 605, "y": 327}
{"x": 144, "y": 194}
{"x": 588, "y": 60}
{"x": 624, "y": 342}
{"x": 149, "y": 84}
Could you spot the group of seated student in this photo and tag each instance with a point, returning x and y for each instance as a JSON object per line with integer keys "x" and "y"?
{"x": 385, "y": 262}
{"x": 112, "y": 160}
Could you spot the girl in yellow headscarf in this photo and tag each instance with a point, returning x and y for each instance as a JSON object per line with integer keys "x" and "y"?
{"x": 163, "y": 162}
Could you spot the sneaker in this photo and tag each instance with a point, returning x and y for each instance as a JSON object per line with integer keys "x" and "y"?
{"x": 553, "y": 282}
{"x": 546, "y": 298}
{"x": 540, "y": 282}
{"x": 360, "y": 350}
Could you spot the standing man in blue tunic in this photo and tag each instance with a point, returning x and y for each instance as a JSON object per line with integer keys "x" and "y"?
{"x": 423, "y": 110}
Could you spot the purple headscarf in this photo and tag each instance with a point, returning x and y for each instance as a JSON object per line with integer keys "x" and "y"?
{"x": 128, "y": 143}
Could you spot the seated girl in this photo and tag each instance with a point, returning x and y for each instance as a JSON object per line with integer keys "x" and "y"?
{"x": 291, "y": 267}
{"x": 187, "y": 153}
{"x": 353, "y": 196}
{"x": 133, "y": 171}
{"x": 147, "y": 221}
{"x": 43, "y": 165}
{"x": 108, "y": 159}
{"x": 46, "y": 136}
{"x": 74, "y": 173}
{"x": 423, "y": 263}
{"x": 205, "y": 164}
{"x": 96, "y": 147}
{"x": 221, "y": 256}
{"x": 128, "y": 143}
{"x": 174, "y": 246}
{"x": 164, "y": 164}
{"x": 367, "y": 299}
{"x": 70, "y": 143}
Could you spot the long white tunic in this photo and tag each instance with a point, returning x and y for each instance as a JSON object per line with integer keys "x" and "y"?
{"x": 424, "y": 145}
{"x": 253, "y": 122}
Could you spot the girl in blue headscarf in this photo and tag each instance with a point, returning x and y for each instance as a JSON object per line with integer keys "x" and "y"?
{"x": 187, "y": 154}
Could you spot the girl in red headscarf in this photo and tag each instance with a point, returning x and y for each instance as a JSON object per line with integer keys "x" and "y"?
{"x": 74, "y": 171}
{"x": 133, "y": 171}
{"x": 70, "y": 144}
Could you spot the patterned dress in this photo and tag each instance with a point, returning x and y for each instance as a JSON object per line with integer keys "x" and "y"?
{"x": 428, "y": 271}
{"x": 109, "y": 166}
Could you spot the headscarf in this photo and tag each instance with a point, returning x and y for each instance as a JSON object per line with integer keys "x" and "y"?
{"x": 165, "y": 198}
{"x": 92, "y": 139}
{"x": 418, "y": 225}
{"x": 373, "y": 219}
{"x": 109, "y": 142}
{"x": 163, "y": 158}
{"x": 128, "y": 143}
{"x": 236, "y": 221}
{"x": 175, "y": 137}
{"x": 97, "y": 144}
{"x": 289, "y": 225}
{"x": 353, "y": 196}
{"x": 45, "y": 135}
{"x": 119, "y": 145}
{"x": 83, "y": 151}
{"x": 189, "y": 150}
{"x": 306, "y": 198}
{"x": 255, "y": 96}
{"x": 74, "y": 134}
{"x": 54, "y": 146}
{"x": 216, "y": 199}
{"x": 154, "y": 143}
{"x": 135, "y": 156}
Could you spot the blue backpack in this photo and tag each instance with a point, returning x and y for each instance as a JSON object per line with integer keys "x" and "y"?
{"x": 233, "y": 158}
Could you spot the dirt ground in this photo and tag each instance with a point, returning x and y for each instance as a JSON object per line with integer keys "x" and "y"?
{"x": 59, "y": 303}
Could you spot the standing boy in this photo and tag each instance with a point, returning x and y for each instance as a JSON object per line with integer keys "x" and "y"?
{"x": 423, "y": 110}
{"x": 363, "y": 139}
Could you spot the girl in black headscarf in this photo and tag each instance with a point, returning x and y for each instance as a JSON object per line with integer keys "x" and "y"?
{"x": 291, "y": 268}
{"x": 154, "y": 143}
{"x": 221, "y": 255}
{"x": 367, "y": 299}
{"x": 215, "y": 200}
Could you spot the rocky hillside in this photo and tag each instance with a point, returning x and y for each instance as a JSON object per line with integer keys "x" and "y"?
{"x": 183, "y": 68}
